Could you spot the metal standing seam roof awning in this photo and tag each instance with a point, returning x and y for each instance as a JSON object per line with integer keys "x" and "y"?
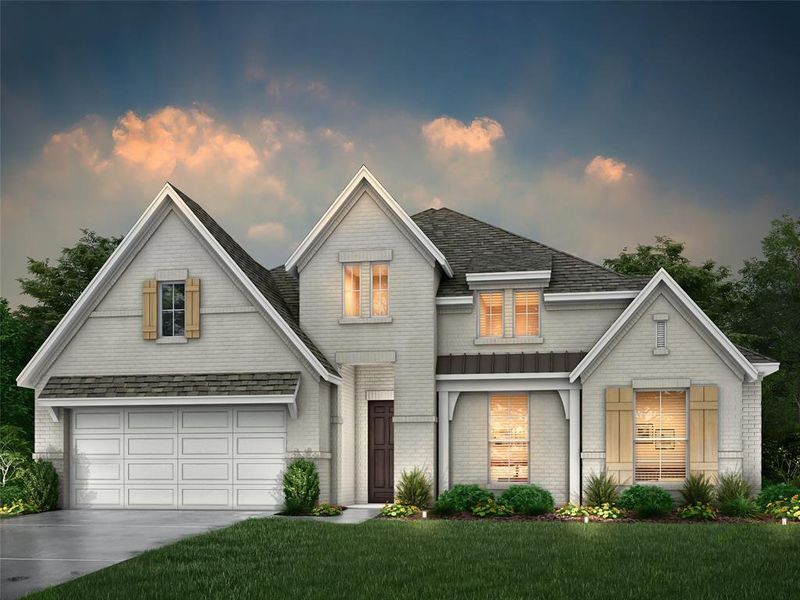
{"x": 171, "y": 390}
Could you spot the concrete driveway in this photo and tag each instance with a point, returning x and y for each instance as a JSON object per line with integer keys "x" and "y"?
{"x": 37, "y": 551}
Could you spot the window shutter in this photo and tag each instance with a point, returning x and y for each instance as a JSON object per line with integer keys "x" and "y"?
{"x": 619, "y": 434}
{"x": 192, "y": 299}
{"x": 703, "y": 430}
{"x": 150, "y": 309}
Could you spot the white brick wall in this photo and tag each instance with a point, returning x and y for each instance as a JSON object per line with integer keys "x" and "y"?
{"x": 548, "y": 442}
{"x": 751, "y": 432}
{"x": 344, "y": 450}
{"x": 689, "y": 357}
{"x": 368, "y": 378}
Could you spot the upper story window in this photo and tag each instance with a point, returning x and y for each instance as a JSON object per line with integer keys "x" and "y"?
{"x": 352, "y": 290}
{"x": 491, "y": 314}
{"x": 660, "y": 435}
{"x": 508, "y": 438}
{"x": 380, "y": 289}
{"x": 526, "y": 313}
{"x": 172, "y": 309}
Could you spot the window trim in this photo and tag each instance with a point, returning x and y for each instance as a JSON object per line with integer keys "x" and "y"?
{"x": 345, "y": 316}
{"x": 538, "y": 334}
{"x": 687, "y": 450}
{"x": 502, "y": 315}
{"x": 174, "y": 339}
{"x": 492, "y": 483}
{"x": 372, "y": 290}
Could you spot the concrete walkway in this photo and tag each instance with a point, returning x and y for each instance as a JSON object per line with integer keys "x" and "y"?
{"x": 352, "y": 516}
{"x": 37, "y": 551}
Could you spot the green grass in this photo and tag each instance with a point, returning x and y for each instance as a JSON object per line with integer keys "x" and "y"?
{"x": 281, "y": 558}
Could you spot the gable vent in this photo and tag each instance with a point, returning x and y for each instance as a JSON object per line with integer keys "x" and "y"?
{"x": 661, "y": 334}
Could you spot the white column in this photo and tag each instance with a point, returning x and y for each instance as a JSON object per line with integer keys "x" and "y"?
{"x": 575, "y": 446}
{"x": 444, "y": 442}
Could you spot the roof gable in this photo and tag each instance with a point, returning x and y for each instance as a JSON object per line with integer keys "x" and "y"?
{"x": 253, "y": 277}
{"x": 660, "y": 280}
{"x": 307, "y": 246}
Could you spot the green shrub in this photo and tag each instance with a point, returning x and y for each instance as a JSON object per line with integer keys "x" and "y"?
{"x": 698, "y": 512}
{"x": 461, "y": 498}
{"x": 601, "y": 489}
{"x": 414, "y": 488}
{"x": 527, "y": 499}
{"x": 300, "y": 487}
{"x": 18, "y": 507}
{"x": 646, "y": 501}
{"x": 605, "y": 511}
{"x": 10, "y": 494}
{"x": 732, "y": 486}
{"x": 697, "y": 489}
{"x": 740, "y": 506}
{"x": 327, "y": 510}
{"x": 785, "y": 507}
{"x": 772, "y": 493}
{"x": 492, "y": 508}
{"x": 572, "y": 510}
{"x": 395, "y": 511}
{"x": 40, "y": 484}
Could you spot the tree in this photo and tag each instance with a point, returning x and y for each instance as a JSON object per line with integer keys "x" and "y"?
{"x": 15, "y": 451}
{"x": 16, "y": 403}
{"x": 770, "y": 318}
{"x": 708, "y": 284}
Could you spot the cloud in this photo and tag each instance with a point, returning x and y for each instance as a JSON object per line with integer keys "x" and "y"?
{"x": 170, "y": 137}
{"x": 451, "y": 134}
{"x": 607, "y": 170}
{"x": 338, "y": 139}
{"x": 76, "y": 142}
{"x": 268, "y": 230}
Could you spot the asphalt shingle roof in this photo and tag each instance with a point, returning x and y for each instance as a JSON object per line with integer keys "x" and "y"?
{"x": 272, "y": 287}
{"x": 753, "y": 356}
{"x": 211, "y": 384}
{"x": 472, "y": 246}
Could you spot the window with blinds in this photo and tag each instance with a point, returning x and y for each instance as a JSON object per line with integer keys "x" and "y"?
{"x": 491, "y": 314}
{"x": 380, "y": 289}
{"x": 352, "y": 290}
{"x": 660, "y": 436}
{"x": 526, "y": 313}
{"x": 508, "y": 438}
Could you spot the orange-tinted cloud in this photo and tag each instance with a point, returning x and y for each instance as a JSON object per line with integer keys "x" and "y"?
{"x": 269, "y": 231}
{"x": 607, "y": 170}
{"x": 479, "y": 136}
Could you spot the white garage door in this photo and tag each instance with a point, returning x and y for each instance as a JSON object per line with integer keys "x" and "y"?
{"x": 215, "y": 457}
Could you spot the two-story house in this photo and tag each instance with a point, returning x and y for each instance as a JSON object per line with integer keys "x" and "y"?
{"x": 187, "y": 374}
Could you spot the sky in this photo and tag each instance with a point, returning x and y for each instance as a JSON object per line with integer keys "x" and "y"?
{"x": 589, "y": 127}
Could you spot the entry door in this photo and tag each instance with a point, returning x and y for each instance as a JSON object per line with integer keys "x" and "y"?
{"x": 381, "y": 451}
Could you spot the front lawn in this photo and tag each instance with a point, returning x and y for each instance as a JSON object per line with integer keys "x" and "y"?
{"x": 282, "y": 558}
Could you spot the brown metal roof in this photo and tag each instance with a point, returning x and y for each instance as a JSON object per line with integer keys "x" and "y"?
{"x": 521, "y": 362}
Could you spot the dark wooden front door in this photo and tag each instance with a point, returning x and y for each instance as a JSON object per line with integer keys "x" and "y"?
{"x": 381, "y": 451}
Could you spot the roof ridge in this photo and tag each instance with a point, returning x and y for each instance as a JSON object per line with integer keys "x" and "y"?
{"x": 527, "y": 239}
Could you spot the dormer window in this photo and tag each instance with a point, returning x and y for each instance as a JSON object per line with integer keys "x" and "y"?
{"x": 491, "y": 314}
{"x": 172, "y": 309}
{"x": 526, "y": 313}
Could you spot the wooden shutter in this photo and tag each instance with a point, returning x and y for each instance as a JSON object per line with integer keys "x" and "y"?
{"x": 192, "y": 299}
{"x": 619, "y": 434}
{"x": 703, "y": 430}
{"x": 150, "y": 309}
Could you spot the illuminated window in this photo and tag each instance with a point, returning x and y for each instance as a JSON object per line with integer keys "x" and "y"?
{"x": 526, "y": 313}
{"x": 352, "y": 290}
{"x": 660, "y": 436}
{"x": 380, "y": 289}
{"x": 491, "y": 314}
{"x": 508, "y": 438}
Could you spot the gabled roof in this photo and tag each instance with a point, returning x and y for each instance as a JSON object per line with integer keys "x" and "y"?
{"x": 472, "y": 246}
{"x": 319, "y": 229}
{"x": 662, "y": 279}
{"x": 255, "y": 278}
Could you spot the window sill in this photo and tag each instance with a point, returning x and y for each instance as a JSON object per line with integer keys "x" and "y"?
{"x": 363, "y": 320}
{"x": 660, "y": 351}
{"x": 532, "y": 339}
{"x": 171, "y": 340}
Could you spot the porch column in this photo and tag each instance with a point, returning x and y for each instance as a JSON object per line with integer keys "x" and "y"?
{"x": 444, "y": 442}
{"x": 575, "y": 446}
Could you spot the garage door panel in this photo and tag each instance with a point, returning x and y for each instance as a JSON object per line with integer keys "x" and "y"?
{"x": 206, "y": 496}
{"x": 195, "y": 445}
{"x": 84, "y": 472}
{"x": 151, "y": 421}
{"x": 264, "y": 471}
{"x": 97, "y": 420}
{"x": 206, "y": 471}
{"x": 258, "y": 497}
{"x": 250, "y": 445}
{"x": 259, "y": 419}
{"x": 199, "y": 420}
{"x": 151, "y": 471}
{"x": 94, "y": 446}
{"x": 151, "y": 446}
{"x": 151, "y": 496}
{"x": 97, "y": 496}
